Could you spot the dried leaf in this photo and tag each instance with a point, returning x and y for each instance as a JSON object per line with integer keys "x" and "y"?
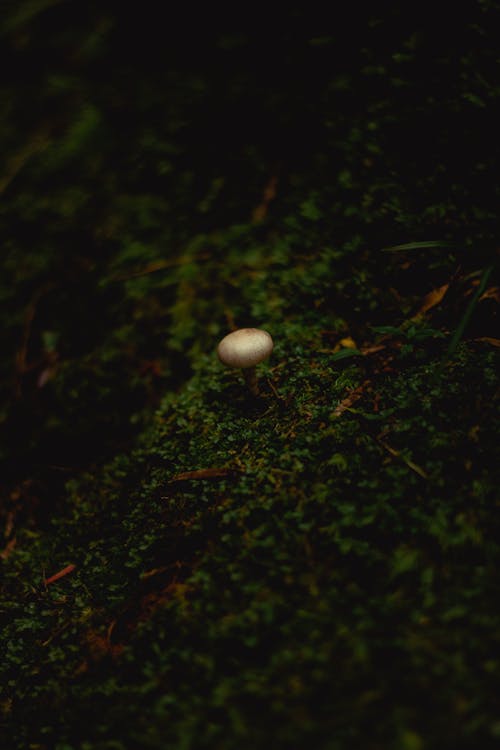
{"x": 349, "y": 343}
{"x": 492, "y": 293}
{"x": 489, "y": 340}
{"x": 431, "y": 300}
{"x": 372, "y": 349}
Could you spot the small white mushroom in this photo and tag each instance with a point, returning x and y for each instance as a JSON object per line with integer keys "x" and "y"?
{"x": 245, "y": 348}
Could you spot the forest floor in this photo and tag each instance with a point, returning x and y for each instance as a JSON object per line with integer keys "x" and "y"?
{"x": 185, "y": 565}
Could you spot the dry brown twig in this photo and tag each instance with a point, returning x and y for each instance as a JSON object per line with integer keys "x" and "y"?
{"x": 212, "y": 473}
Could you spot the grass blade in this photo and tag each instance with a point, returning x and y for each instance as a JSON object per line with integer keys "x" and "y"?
{"x": 417, "y": 246}
{"x": 467, "y": 315}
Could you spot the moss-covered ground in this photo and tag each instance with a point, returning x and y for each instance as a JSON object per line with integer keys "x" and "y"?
{"x": 185, "y": 565}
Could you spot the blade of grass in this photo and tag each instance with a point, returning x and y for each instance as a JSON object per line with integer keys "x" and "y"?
{"x": 468, "y": 313}
{"x": 417, "y": 246}
{"x": 344, "y": 353}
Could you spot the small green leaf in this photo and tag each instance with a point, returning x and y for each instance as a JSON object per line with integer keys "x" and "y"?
{"x": 387, "y": 329}
{"x": 344, "y": 353}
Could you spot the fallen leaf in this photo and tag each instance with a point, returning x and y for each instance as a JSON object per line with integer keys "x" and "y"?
{"x": 431, "y": 300}
{"x": 372, "y": 349}
{"x": 492, "y": 293}
{"x": 348, "y": 343}
{"x": 489, "y": 340}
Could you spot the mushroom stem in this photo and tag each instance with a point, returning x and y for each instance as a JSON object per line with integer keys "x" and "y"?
{"x": 245, "y": 348}
{"x": 250, "y": 376}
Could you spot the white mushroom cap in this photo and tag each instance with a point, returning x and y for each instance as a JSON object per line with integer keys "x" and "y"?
{"x": 245, "y": 347}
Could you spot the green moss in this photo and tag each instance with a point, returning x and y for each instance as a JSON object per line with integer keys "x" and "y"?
{"x": 225, "y": 602}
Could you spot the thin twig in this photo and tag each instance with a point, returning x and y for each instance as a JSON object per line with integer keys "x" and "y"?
{"x": 351, "y": 399}
{"x": 411, "y": 464}
{"x": 212, "y": 473}
{"x": 159, "y": 265}
{"x": 273, "y": 388}
{"x": 60, "y": 574}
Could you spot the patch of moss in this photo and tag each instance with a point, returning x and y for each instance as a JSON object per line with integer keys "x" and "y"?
{"x": 344, "y": 560}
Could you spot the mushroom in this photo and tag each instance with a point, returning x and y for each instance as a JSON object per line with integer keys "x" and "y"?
{"x": 245, "y": 348}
